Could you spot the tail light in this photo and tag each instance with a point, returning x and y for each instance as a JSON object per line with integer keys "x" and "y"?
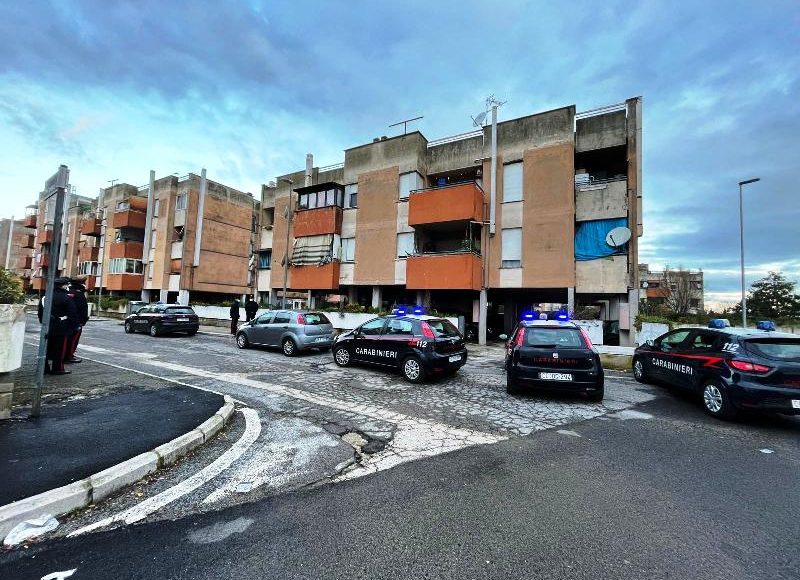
{"x": 586, "y": 340}
{"x": 748, "y": 367}
{"x": 301, "y": 319}
{"x": 427, "y": 331}
{"x": 518, "y": 340}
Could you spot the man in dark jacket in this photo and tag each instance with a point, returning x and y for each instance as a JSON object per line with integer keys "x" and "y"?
{"x": 250, "y": 308}
{"x": 235, "y": 316}
{"x": 63, "y": 324}
{"x": 78, "y": 291}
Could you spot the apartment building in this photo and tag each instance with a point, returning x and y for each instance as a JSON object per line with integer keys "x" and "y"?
{"x": 15, "y": 249}
{"x": 677, "y": 289}
{"x": 407, "y": 220}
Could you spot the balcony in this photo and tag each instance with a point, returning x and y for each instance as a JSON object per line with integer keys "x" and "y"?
{"x": 46, "y": 237}
{"x": 452, "y": 203}
{"x": 126, "y": 250}
{"x": 88, "y": 254}
{"x": 129, "y": 218}
{"x": 324, "y": 277}
{"x": 457, "y": 271}
{"x": 91, "y": 282}
{"x": 91, "y": 227}
{"x": 44, "y": 260}
{"x": 28, "y": 241}
{"x": 24, "y": 263}
{"x": 38, "y": 283}
{"x": 175, "y": 266}
{"x": 124, "y": 282}
{"x": 318, "y": 221}
{"x": 29, "y": 221}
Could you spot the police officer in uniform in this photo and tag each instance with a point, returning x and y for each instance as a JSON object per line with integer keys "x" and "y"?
{"x": 250, "y": 308}
{"x": 78, "y": 292}
{"x": 234, "y": 316}
{"x": 63, "y": 324}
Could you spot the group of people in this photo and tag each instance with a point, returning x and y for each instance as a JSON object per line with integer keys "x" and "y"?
{"x": 250, "y": 310}
{"x": 68, "y": 314}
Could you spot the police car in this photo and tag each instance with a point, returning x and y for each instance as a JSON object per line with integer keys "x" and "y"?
{"x": 553, "y": 355}
{"x": 157, "y": 319}
{"x": 419, "y": 346}
{"x": 731, "y": 368}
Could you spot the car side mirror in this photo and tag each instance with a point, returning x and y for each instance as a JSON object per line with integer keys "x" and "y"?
{"x": 503, "y": 337}
{"x": 650, "y": 342}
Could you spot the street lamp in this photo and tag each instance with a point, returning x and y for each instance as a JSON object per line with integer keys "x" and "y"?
{"x": 288, "y": 215}
{"x": 741, "y": 246}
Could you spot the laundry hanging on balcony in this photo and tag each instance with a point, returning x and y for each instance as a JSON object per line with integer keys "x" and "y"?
{"x": 312, "y": 250}
{"x": 590, "y": 239}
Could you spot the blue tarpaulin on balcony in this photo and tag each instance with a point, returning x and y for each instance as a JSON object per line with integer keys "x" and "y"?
{"x": 590, "y": 239}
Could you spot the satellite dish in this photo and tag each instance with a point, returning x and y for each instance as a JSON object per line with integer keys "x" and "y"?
{"x": 479, "y": 119}
{"x": 618, "y": 237}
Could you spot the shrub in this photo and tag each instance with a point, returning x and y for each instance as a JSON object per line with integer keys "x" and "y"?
{"x": 11, "y": 291}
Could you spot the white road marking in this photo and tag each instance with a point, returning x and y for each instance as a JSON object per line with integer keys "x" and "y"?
{"x": 568, "y": 432}
{"x": 150, "y": 505}
{"x": 631, "y": 414}
{"x": 95, "y": 349}
{"x": 766, "y": 451}
{"x": 59, "y": 575}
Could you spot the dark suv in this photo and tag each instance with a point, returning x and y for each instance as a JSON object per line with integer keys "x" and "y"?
{"x": 732, "y": 368}
{"x": 551, "y": 355}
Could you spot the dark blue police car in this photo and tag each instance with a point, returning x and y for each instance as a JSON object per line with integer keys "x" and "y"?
{"x": 419, "y": 346}
{"x": 730, "y": 368}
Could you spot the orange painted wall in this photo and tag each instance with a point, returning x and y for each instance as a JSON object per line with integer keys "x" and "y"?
{"x": 376, "y": 226}
{"x": 123, "y": 282}
{"x": 446, "y": 204}
{"x": 129, "y": 219}
{"x": 318, "y": 221}
{"x": 325, "y": 277}
{"x": 126, "y": 250}
{"x": 444, "y": 272}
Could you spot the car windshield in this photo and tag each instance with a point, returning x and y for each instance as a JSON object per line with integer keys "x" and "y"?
{"x": 554, "y": 338}
{"x": 180, "y": 310}
{"x": 443, "y": 328}
{"x": 316, "y": 318}
{"x": 787, "y": 349}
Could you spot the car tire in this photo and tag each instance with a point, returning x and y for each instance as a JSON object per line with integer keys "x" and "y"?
{"x": 716, "y": 401}
{"x": 511, "y": 386}
{"x": 153, "y": 331}
{"x": 128, "y": 328}
{"x": 638, "y": 370}
{"x": 413, "y": 370}
{"x": 191, "y": 333}
{"x": 341, "y": 356}
{"x": 596, "y": 396}
{"x": 241, "y": 340}
{"x": 288, "y": 347}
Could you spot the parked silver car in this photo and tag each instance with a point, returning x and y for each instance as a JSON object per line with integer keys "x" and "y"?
{"x": 290, "y": 330}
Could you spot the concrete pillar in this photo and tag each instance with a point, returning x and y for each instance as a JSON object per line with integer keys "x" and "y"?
{"x": 183, "y": 297}
{"x": 146, "y": 295}
{"x": 162, "y": 295}
{"x": 272, "y": 297}
{"x": 311, "y": 300}
{"x": 426, "y": 298}
{"x": 483, "y": 308}
{"x": 352, "y": 295}
{"x": 571, "y": 300}
{"x": 420, "y": 297}
{"x": 376, "y": 296}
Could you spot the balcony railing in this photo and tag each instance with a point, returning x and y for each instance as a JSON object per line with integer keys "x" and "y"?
{"x": 91, "y": 227}
{"x": 89, "y": 254}
{"x": 29, "y": 221}
{"x": 46, "y": 237}
{"x": 450, "y": 203}
{"x": 24, "y": 262}
{"x": 450, "y": 271}
{"x": 29, "y": 241}
{"x": 322, "y": 277}
{"x": 126, "y": 249}
{"x": 317, "y": 221}
{"x": 124, "y": 282}
{"x": 129, "y": 218}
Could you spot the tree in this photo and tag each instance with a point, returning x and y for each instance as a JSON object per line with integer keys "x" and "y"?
{"x": 772, "y": 297}
{"x": 10, "y": 288}
{"x": 677, "y": 290}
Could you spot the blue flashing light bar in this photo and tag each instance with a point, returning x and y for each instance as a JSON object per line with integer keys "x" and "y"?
{"x": 418, "y": 310}
{"x": 718, "y": 323}
{"x": 528, "y": 316}
{"x": 767, "y": 325}
{"x": 562, "y": 315}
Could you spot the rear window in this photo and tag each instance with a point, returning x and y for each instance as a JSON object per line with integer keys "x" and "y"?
{"x": 779, "y": 349}
{"x": 316, "y": 318}
{"x": 180, "y": 310}
{"x": 554, "y": 338}
{"x": 443, "y": 328}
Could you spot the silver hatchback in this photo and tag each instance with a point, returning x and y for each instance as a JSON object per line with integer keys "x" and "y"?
{"x": 290, "y": 330}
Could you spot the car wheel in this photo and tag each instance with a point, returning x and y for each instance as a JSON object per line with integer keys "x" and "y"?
{"x": 191, "y": 333}
{"x": 153, "y": 330}
{"x": 511, "y": 386}
{"x": 638, "y": 370}
{"x": 289, "y": 347}
{"x": 596, "y": 396}
{"x": 412, "y": 370}
{"x": 341, "y": 356}
{"x": 241, "y": 340}
{"x": 716, "y": 401}
{"x": 128, "y": 328}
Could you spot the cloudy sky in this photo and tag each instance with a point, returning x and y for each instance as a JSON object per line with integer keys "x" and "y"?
{"x": 246, "y": 89}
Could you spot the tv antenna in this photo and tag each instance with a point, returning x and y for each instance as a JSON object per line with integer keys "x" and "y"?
{"x": 405, "y": 123}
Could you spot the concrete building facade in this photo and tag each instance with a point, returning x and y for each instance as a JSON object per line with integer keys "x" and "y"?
{"x": 682, "y": 289}
{"x": 16, "y": 248}
{"x": 406, "y": 220}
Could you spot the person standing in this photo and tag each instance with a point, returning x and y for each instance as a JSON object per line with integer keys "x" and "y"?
{"x": 78, "y": 291}
{"x": 235, "y": 316}
{"x": 63, "y": 324}
{"x": 250, "y": 308}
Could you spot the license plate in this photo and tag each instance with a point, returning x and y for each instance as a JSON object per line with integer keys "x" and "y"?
{"x": 555, "y": 376}
{"x": 183, "y": 320}
{"x": 795, "y": 403}
{"x": 320, "y": 339}
{"x": 455, "y": 358}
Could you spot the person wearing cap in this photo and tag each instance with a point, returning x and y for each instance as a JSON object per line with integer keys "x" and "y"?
{"x": 234, "y": 316}
{"x": 250, "y": 308}
{"x": 78, "y": 292}
{"x": 63, "y": 324}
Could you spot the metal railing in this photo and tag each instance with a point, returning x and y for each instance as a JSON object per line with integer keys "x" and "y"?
{"x": 449, "y": 185}
{"x": 602, "y": 110}
{"x": 331, "y": 167}
{"x": 453, "y": 138}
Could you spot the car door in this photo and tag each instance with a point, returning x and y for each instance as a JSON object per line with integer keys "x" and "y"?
{"x": 141, "y": 320}
{"x": 275, "y": 329}
{"x": 704, "y": 354}
{"x": 394, "y": 341}
{"x": 366, "y": 339}
{"x": 257, "y": 332}
{"x": 668, "y": 359}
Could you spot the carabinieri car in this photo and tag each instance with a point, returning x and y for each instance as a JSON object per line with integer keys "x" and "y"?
{"x": 419, "y": 346}
{"x": 732, "y": 368}
{"x": 553, "y": 355}
{"x": 156, "y": 319}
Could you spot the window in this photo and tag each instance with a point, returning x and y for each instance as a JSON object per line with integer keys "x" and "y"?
{"x": 125, "y": 266}
{"x": 405, "y": 245}
{"x": 673, "y": 339}
{"x": 394, "y": 326}
{"x": 282, "y": 318}
{"x": 512, "y": 182}
{"x": 703, "y": 341}
{"x": 155, "y": 208}
{"x": 182, "y": 201}
{"x": 373, "y": 327}
{"x": 408, "y": 183}
{"x": 265, "y": 318}
{"x": 511, "y": 248}
{"x": 265, "y": 259}
{"x": 348, "y": 249}
{"x": 316, "y": 319}
{"x": 351, "y": 195}
{"x": 443, "y": 328}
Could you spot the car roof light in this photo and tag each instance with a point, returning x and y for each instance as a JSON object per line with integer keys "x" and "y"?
{"x": 419, "y": 310}
{"x": 527, "y": 316}
{"x": 543, "y": 316}
{"x": 718, "y": 323}
{"x": 562, "y": 315}
{"x": 767, "y": 325}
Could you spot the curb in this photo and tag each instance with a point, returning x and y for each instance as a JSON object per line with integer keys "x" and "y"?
{"x": 104, "y": 483}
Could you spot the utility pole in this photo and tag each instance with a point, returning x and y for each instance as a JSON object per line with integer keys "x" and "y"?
{"x": 741, "y": 246}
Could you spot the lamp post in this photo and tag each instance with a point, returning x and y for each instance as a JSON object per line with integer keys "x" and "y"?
{"x": 288, "y": 215}
{"x": 741, "y": 246}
